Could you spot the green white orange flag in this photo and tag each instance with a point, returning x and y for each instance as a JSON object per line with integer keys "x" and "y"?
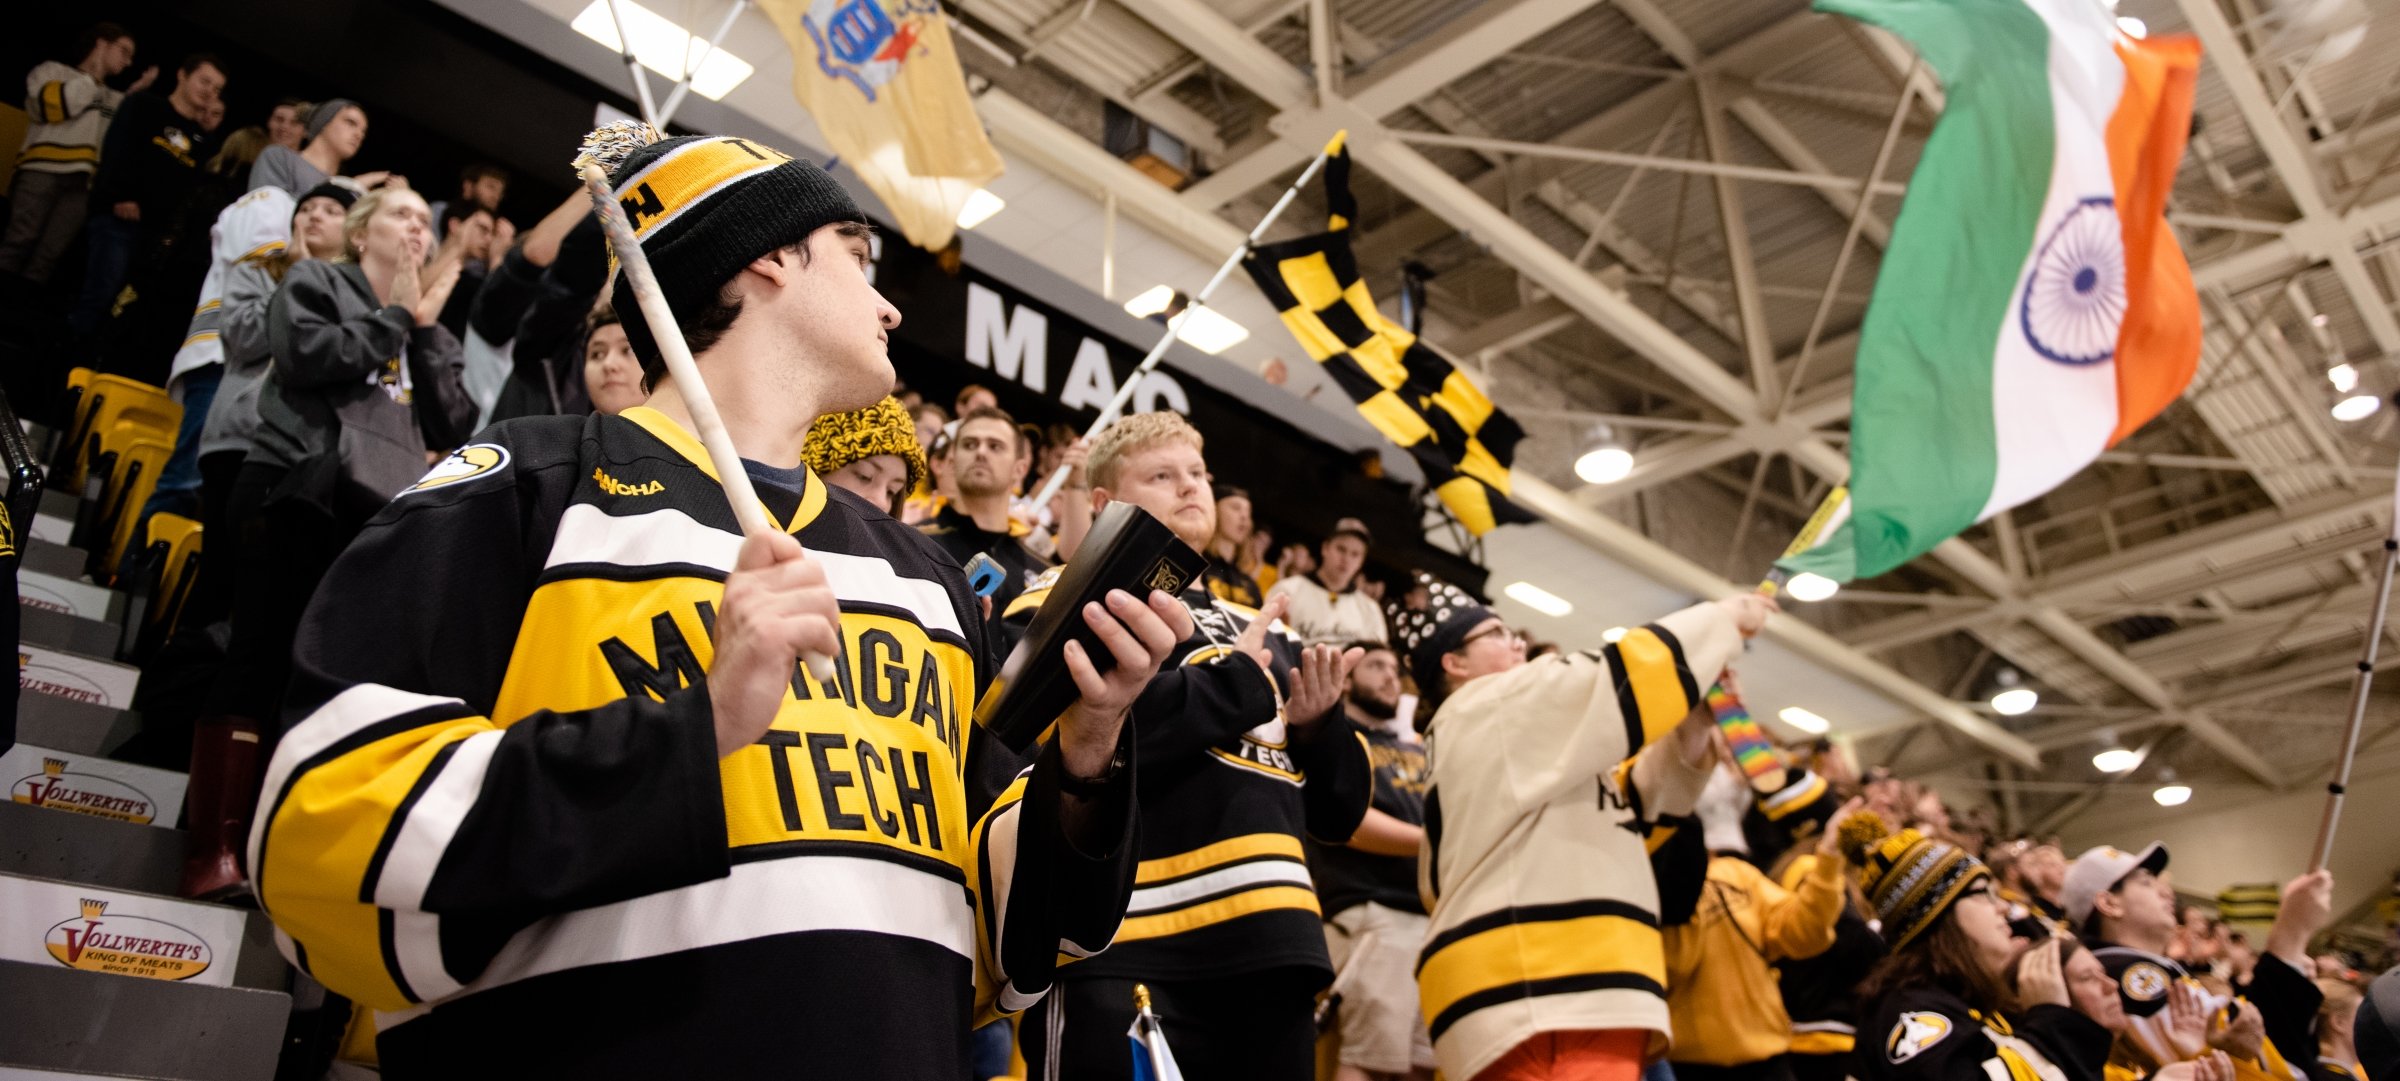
{"x": 2033, "y": 308}
{"x": 883, "y": 82}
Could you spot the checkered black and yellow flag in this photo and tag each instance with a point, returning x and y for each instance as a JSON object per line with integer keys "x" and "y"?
{"x": 1409, "y": 393}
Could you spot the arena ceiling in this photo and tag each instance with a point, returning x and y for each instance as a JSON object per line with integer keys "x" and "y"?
{"x": 1632, "y": 211}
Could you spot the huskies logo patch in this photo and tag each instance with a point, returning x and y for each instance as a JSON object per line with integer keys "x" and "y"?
{"x": 2145, "y": 982}
{"x": 464, "y": 464}
{"x": 1913, "y": 1033}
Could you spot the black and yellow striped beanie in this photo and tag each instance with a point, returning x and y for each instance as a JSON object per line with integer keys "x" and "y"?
{"x": 1910, "y": 879}
{"x": 838, "y": 439}
{"x": 703, "y": 207}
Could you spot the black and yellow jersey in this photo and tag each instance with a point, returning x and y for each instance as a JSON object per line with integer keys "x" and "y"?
{"x": 1551, "y": 782}
{"x": 2287, "y": 1002}
{"x": 497, "y": 814}
{"x": 1924, "y": 1033}
{"x": 1229, "y": 791}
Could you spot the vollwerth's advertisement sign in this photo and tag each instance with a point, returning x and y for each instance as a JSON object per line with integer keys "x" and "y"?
{"x": 127, "y": 934}
{"x": 962, "y": 325}
{"x": 72, "y": 675}
{"x": 85, "y": 785}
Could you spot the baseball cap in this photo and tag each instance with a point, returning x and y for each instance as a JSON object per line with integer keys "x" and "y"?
{"x": 1355, "y": 528}
{"x": 2099, "y": 870}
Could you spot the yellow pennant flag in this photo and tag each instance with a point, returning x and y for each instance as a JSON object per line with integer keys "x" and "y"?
{"x": 883, "y": 82}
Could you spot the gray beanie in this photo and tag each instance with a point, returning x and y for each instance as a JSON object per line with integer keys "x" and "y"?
{"x": 323, "y": 114}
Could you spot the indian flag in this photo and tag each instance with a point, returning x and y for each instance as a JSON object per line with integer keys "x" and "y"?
{"x": 2033, "y": 307}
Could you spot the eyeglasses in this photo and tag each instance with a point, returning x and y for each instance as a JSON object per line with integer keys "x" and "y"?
{"x": 1509, "y": 635}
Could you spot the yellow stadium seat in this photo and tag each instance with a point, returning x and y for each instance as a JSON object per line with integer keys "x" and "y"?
{"x": 109, "y": 409}
{"x": 136, "y": 462}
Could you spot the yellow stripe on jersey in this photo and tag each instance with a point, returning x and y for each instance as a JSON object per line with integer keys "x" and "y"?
{"x": 812, "y": 500}
{"x": 1230, "y": 850}
{"x": 1525, "y": 949}
{"x": 687, "y": 176}
{"x": 1653, "y": 690}
{"x": 1218, "y": 911}
{"x": 57, "y": 153}
{"x": 328, "y": 830}
{"x": 54, "y": 102}
{"x": 1823, "y": 1043}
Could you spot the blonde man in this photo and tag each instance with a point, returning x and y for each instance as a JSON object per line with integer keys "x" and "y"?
{"x": 1242, "y": 750}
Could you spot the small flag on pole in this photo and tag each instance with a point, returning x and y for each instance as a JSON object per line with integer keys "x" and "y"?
{"x": 1408, "y": 392}
{"x": 1752, "y": 750}
{"x": 1151, "y": 1059}
{"x": 883, "y": 82}
{"x": 2033, "y": 308}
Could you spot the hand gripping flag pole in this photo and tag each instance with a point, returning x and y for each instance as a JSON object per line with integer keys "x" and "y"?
{"x": 1158, "y": 352}
{"x": 2361, "y": 683}
{"x": 747, "y": 510}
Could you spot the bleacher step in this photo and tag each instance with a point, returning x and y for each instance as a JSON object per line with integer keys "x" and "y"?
{"x": 170, "y": 939}
{"x": 96, "y": 1024}
{"x": 41, "y": 843}
{"x": 56, "y": 560}
{"x": 47, "y": 720}
{"x": 59, "y": 630}
{"x": 52, "y": 528}
{"x": 61, "y": 503}
{"x": 66, "y": 595}
{"x": 75, "y": 676}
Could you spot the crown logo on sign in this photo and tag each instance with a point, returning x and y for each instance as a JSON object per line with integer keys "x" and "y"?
{"x": 93, "y": 909}
{"x": 52, "y": 767}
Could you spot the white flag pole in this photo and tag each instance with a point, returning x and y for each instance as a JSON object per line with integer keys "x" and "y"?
{"x": 1175, "y": 324}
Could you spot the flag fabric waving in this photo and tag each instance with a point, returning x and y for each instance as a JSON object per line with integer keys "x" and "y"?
{"x": 1408, "y": 392}
{"x": 2033, "y": 308}
{"x": 883, "y": 83}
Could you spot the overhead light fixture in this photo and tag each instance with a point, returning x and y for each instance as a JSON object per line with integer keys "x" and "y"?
{"x": 979, "y": 208}
{"x": 2116, "y": 760}
{"x": 2344, "y": 377}
{"x": 2013, "y": 700}
{"x": 1805, "y": 720}
{"x": 1604, "y": 465}
{"x": 2356, "y": 407}
{"x": 2320, "y": 320}
{"x": 1539, "y": 599}
{"x": 664, "y": 47}
{"x": 1608, "y": 461}
{"x": 2133, "y": 28}
{"x": 1613, "y": 635}
{"x": 1805, "y": 586}
{"x": 1202, "y": 329}
{"x": 2172, "y": 795}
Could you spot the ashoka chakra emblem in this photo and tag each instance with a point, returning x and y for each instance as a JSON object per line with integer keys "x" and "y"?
{"x": 2075, "y": 297}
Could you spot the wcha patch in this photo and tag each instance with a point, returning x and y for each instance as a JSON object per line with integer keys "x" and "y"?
{"x": 464, "y": 464}
{"x": 1913, "y": 1033}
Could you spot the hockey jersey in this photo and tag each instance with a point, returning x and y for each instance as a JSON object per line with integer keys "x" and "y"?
{"x": 256, "y": 225}
{"x": 497, "y": 813}
{"x": 1229, "y": 790}
{"x": 67, "y": 112}
{"x": 2283, "y": 997}
{"x": 1545, "y": 915}
{"x": 1925, "y": 1033}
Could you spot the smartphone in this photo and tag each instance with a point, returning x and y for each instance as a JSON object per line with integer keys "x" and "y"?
{"x": 984, "y": 575}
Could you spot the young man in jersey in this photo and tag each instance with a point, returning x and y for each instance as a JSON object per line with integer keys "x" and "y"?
{"x": 555, "y": 799}
{"x": 1327, "y": 605}
{"x": 983, "y": 465}
{"x": 1243, "y": 750}
{"x": 2124, "y": 906}
{"x": 1374, "y": 917}
{"x": 1543, "y": 958}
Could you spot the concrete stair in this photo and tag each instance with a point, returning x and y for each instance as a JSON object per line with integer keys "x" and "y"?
{"x": 225, "y": 1022}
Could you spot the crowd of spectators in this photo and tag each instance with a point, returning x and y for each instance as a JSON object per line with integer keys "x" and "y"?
{"x": 339, "y": 333}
